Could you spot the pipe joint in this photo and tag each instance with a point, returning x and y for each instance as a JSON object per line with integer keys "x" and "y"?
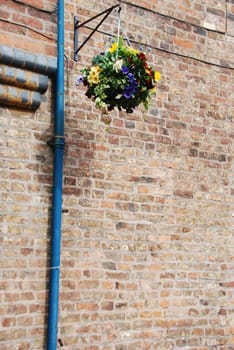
{"x": 57, "y": 142}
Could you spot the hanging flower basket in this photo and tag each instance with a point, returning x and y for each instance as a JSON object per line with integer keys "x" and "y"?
{"x": 120, "y": 78}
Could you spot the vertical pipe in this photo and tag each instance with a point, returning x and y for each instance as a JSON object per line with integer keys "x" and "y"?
{"x": 52, "y": 328}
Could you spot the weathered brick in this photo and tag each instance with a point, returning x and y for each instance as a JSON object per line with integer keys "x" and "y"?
{"x": 147, "y": 246}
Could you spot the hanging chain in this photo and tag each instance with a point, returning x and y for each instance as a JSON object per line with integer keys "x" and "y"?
{"x": 118, "y": 33}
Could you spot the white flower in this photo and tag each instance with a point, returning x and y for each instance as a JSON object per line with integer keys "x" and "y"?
{"x": 118, "y": 65}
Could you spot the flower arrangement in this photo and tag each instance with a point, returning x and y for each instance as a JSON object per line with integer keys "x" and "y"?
{"x": 120, "y": 78}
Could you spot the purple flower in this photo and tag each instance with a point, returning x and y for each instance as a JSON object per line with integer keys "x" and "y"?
{"x": 79, "y": 80}
{"x": 132, "y": 80}
{"x": 134, "y": 83}
{"x": 128, "y": 91}
{"x": 125, "y": 70}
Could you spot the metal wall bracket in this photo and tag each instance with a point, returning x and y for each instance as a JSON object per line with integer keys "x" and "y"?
{"x": 77, "y": 26}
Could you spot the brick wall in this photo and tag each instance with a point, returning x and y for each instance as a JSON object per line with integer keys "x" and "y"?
{"x": 147, "y": 239}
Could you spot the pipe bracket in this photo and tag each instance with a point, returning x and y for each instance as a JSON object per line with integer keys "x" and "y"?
{"x": 56, "y": 142}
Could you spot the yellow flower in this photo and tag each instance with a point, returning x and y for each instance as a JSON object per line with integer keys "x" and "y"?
{"x": 93, "y": 77}
{"x": 113, "y": 47}
{"x": 148, "y": 71}
{"x": 132, "y": 50}
{"x": 95, "y": 69}
{"x": 157, "y": 76}
{"x": 153, "y": 91}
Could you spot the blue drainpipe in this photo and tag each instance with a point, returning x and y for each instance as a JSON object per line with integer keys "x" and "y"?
{"x": 58, "y": 144}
